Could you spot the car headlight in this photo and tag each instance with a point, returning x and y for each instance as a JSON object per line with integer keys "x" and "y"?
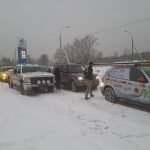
{"x": 26, "y": 79}
{"x": 97, "y": 77}
{"x": 80, "y": 78}
{"x": 102, "y": 84}
{"x": 4, "y": 75}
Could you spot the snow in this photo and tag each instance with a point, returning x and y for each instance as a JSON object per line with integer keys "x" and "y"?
{"x": 64, "y": 120}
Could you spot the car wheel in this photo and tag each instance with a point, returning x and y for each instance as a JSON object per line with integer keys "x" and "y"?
{"x": 110, "y": 95}
{"x": 22, "y": 91}
{"x": 73, "y": 86}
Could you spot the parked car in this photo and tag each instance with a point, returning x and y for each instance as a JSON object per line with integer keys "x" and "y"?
{"x": 72, "y": 76}
{"x": 4, "y": 73}
{"x": 126, "y": 83}
{"x": 29, "y": 78}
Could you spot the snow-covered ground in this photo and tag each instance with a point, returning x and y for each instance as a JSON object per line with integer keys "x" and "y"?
{"x": 63, "y": 120}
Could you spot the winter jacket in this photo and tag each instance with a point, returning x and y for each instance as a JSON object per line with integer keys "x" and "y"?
{"x": 90, "y": 73}
{"x": 57, "y": 74}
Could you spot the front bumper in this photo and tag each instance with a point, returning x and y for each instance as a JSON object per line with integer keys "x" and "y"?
{"x": 82, "y": 83}
{"x": 35, "y": 87}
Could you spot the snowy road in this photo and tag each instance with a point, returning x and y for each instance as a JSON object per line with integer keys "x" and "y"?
{"x": 64, "y": 120}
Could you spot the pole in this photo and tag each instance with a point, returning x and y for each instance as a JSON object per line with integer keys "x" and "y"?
{"x": 60, "y": 38}
{"x": 131, "y": 43}
{"x": 132, "y": 49}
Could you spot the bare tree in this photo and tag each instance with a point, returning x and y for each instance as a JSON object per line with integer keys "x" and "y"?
{"x": 115, "y": 54}
{"x": 81, "y": 51}
{"x": 44, "y": 60}
{"x": 98, "y": 56}
{"x": 59, "y": 56}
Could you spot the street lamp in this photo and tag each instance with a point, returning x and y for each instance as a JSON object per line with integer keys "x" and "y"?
{"x": 131, "y": 41}
{"x": 61, "y": 42}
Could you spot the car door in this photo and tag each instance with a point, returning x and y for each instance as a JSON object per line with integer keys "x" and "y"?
{"x": 118, "y": 79}
{"x": 138, "y": 86}
{"x": 16, "y": 76}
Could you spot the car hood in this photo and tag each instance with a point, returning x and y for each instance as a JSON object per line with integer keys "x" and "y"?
{"x": 81, "y": 74}
{"x": 77, "y": 74}
{"x": 4, "y": 72}
{"x": 37, "y": 74}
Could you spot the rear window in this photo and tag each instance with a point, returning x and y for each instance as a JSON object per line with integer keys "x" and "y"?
{"x": 26, "y": 69}
{"x": 76, "y": 68}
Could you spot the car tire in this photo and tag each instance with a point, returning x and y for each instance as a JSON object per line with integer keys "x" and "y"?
{"x": 73, "y": 86}
{"x": 110, "y": 95}
{"x": 22, "y": 91}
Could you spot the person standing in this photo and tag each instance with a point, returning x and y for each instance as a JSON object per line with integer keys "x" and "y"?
{"x": 89, "y": 78}
{"x": 57, "y": 77}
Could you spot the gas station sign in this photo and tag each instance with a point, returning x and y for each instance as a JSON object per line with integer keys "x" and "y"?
{"x": 22, "y": 51}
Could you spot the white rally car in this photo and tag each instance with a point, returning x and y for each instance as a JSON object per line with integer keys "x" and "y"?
{"x": 29, "y": 78}
{"x": 127, "y": 83}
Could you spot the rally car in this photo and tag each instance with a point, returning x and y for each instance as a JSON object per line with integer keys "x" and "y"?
{"x": 127, "y": 83}
{"x": 31, "y": 78}
{"x": 4, "y": 73}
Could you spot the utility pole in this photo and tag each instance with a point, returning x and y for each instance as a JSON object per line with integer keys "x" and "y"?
{"x": 60, "y": 38}
{"x": 131, "y": 42}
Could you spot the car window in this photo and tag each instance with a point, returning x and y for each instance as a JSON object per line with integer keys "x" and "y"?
{"x": 64, "y": 68}
{"x": 76, "y": 68}
{"x": 137, "y": 75}
{"x": 6, "y": 68}
{"x": 60, "y": 67}
{"x": 120, "y": 73}
{"x": 26, "y": 69}
{"x": 18, "y": 69}
{"x": 147, "y": 71}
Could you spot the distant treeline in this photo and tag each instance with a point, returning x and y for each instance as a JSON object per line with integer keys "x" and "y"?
{"x": 82, "y": 51}
{"x": 44, "y": 60}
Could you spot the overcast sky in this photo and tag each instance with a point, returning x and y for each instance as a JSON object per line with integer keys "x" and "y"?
{"x": 39, "y": 22}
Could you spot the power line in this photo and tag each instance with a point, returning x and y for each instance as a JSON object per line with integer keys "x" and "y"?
{"x": 112, "y": 28}
{"x": 104, "y": 30}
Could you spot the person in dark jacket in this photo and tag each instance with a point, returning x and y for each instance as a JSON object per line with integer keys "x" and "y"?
{"x": 57, "y": 77}
{"x": 89, "y": 79}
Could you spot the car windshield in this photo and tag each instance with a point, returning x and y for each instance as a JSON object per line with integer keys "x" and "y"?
{"x": 147, "y": 71}
{"x": 6, "y": 68}
{"x": 26, "y": 69}
{"x": 76, "y": 68}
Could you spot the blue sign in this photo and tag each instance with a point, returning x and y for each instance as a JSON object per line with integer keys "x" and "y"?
{"x": 22, "y": 51}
